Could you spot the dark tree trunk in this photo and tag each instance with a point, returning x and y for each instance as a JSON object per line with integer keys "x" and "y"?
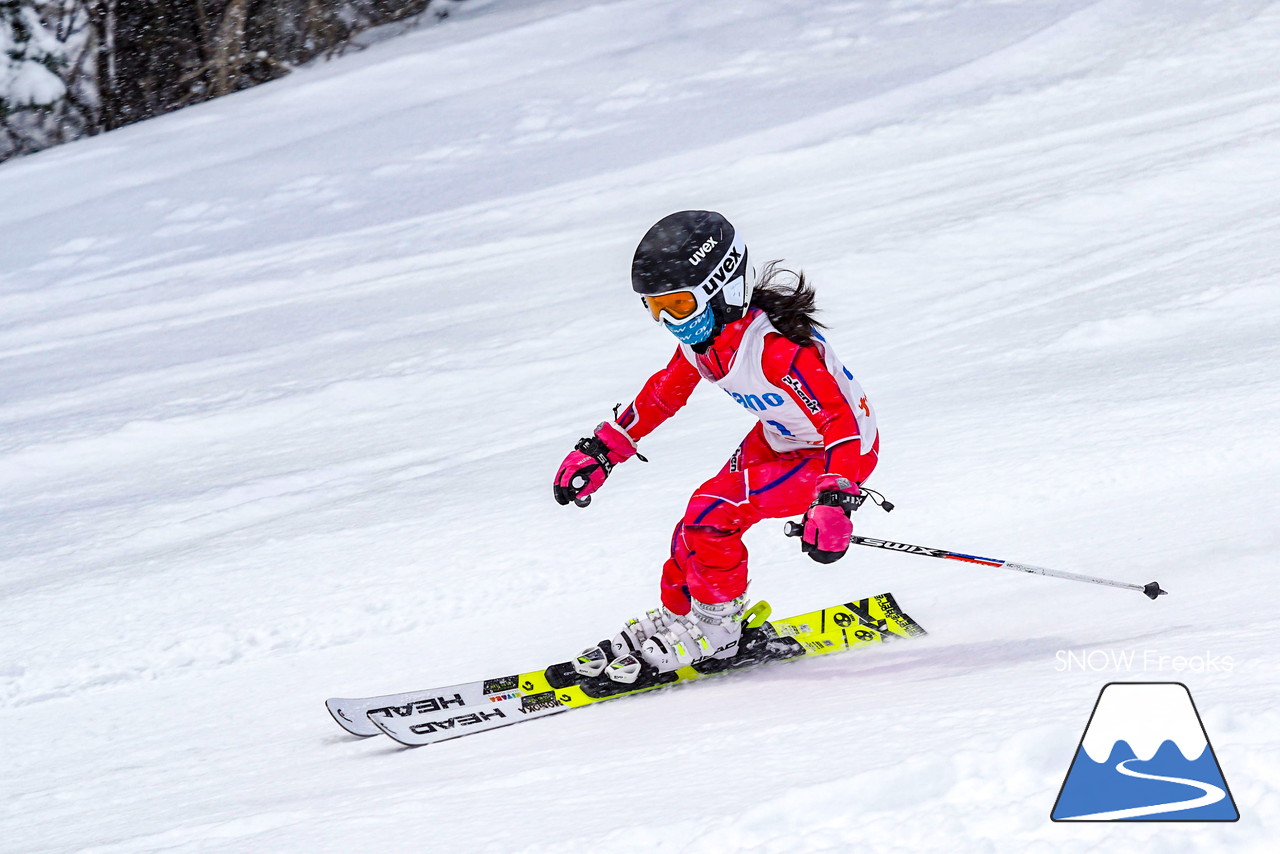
{"x": 148, "y": 57}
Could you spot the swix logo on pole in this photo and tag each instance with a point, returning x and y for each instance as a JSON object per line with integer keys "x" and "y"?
{"x": 901, "y": 547}
{"x": 1145, "y": 756}
{"x": 921, "y": 550}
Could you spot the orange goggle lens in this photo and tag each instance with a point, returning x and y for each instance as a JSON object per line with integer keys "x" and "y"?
{"x": 679, "y": 305}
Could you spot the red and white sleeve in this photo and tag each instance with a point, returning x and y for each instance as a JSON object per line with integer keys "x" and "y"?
{"x": 661, "y": 397}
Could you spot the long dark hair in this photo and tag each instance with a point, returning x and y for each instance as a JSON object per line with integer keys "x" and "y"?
{"x": 788, "y": 298}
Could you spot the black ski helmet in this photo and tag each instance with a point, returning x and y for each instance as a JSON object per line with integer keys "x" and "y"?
{"x": 694, "y": 266}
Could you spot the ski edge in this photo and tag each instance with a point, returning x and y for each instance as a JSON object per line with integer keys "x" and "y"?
{"x": 894, "y": 624}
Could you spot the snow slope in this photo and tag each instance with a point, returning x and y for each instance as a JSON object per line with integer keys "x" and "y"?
{"x": 284, "y": 378}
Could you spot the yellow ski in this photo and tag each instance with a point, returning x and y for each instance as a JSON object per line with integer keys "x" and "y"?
{"x": 439, "y": 714}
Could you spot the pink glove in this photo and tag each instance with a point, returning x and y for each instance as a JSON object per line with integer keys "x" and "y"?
{"x": 590, "y": 462}
{"x": 827, "y": 526}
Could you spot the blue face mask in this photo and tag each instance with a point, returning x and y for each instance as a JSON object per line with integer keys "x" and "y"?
{"x": 694, "y": 331}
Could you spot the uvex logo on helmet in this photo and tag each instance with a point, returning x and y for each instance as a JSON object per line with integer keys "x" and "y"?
{"x": 722, "y": 273}
{"x": 696, "y": 258}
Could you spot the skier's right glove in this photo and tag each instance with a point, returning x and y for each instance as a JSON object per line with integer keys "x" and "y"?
{"x": 590, "y": 462}
{"x": 827, "y": 524}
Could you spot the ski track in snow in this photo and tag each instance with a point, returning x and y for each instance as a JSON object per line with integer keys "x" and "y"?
{"x": 284, "y": 378}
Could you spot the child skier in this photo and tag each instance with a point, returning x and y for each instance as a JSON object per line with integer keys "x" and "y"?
{"x": 815, "y": 444}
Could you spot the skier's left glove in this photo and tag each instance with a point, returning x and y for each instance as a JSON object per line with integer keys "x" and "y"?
{"x": 590, "y": 462}
{"x": 827, "y": 524}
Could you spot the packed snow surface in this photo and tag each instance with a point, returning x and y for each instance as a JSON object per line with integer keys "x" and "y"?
{"x": 284, "y": 379}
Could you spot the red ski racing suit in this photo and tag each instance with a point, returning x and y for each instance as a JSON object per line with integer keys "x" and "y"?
{"x": 814, "y": 419}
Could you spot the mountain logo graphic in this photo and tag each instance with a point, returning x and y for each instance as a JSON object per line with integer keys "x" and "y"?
{"x": 1145, "y": 756}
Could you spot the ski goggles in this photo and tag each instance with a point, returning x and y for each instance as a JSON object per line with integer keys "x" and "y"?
{"x": 677, "y": 307}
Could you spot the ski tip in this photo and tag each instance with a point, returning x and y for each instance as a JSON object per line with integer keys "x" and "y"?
{"x": 1153, "y": 590}
{"x": 338, "y": 709}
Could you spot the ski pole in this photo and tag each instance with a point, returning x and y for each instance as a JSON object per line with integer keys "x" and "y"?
{"x": 1152, "y": 590}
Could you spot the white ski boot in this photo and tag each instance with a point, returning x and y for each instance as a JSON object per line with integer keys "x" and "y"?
{"x": 627, "y": 642}
{"x": 639, "y": 629}
{"x": 707, "y": 631}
